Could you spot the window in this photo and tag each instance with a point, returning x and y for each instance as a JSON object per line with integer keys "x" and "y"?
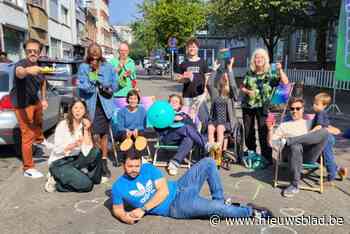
{"x": 54, "y": 9}
{"x": 38, "y": 3}
{"x": 302, "y": 45}
{"x": 4, "y": 81}
{"x": 55, "y": 48}
{"x": 65, "y": 16}
{"x": 19, "y": 3}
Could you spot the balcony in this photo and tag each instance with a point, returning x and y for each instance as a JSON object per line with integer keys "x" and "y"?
{"x": 37, "y": 17}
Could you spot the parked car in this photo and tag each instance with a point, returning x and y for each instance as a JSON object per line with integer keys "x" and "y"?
{"x": 66, "y": 81}
{"x": 9, "y": 131}
{"x": 158, "y": 67}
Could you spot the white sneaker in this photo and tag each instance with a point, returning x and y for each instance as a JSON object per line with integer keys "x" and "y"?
{"x": 50, "y": 185}
{"x": 33, "y": 173}
{"x": 172, "y": 169}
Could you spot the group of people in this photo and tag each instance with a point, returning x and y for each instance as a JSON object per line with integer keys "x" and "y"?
{"x": 80, "y": 151}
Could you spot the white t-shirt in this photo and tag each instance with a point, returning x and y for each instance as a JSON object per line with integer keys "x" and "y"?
{"x": 63, "y": 137}
{"x": 291, "y": 129}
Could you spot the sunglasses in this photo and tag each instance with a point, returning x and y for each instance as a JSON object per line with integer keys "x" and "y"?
{"x": 296, "y": 108}
{"x": 32, "y": 51}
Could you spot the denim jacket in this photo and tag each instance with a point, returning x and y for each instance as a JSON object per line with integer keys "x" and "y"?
{"x": 88, "y": 90}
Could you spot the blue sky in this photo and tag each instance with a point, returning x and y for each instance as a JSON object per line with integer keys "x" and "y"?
{"x": 123, "y": 11}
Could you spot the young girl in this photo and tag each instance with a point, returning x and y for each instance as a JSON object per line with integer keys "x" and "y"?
{"x": 221, "y": 117}
{"x": 74, "y": 164}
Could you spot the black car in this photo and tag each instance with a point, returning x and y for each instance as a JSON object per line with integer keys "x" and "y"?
{"x": 64, "y": 82}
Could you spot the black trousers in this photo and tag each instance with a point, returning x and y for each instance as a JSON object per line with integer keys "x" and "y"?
{"x": 68, "y": 174}
{"x": 249, "y": 116}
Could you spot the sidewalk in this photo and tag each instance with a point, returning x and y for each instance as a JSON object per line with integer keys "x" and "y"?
{"x": 26, "y": 208}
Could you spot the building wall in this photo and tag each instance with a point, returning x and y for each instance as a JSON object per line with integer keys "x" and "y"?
{"x": 13, "y": 28}
{"x": 104, "y": 32}
{"x": 63, "y": 33}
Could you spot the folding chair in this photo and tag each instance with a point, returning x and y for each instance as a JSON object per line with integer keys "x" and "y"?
{"x": 311, "y": 168}
{"x": 146, "y": 102}
{"x": 159, "y": 146}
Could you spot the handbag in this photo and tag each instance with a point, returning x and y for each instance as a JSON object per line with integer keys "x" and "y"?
{"x": 104, "y": 91}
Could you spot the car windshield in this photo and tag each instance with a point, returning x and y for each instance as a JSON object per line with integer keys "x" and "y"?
{"x": 4, "y": 81}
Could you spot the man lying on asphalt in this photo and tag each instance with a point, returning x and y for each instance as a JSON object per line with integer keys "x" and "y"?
{"x": 301, "y": 144}
{"x": 147, "y": 191}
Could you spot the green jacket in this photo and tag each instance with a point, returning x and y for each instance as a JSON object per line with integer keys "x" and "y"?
{"x": 262, "y": 85}
{"x": 124, "y": 85}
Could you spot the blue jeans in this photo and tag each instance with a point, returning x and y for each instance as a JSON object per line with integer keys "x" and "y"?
{"x": 185, "y": 136}
{"x": 189, "y": 204}
{"x": 329, "y": 159}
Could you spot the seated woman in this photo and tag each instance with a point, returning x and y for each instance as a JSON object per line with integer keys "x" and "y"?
{"x": 131, "y": 123}
{"x": 75, "y": 165}
{"x": 222, "y": 116}
{"x": 185, "y": 135}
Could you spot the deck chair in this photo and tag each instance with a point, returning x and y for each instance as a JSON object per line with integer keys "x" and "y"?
{"x": 309, "y": 168}
{"x": 310, "y": 173}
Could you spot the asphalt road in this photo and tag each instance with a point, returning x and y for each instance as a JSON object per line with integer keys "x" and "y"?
{"x": 26, "y": 208}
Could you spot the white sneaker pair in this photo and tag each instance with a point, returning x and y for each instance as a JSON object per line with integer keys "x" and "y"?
{"x": 32, "y": 173}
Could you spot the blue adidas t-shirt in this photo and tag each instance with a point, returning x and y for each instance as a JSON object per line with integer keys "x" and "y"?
{"x": 136, "y": 192}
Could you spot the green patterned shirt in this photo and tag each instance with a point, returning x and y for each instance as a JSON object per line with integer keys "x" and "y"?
{"x": 262, "y": 85}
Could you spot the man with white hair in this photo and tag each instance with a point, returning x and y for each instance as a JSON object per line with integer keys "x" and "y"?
{"x": 125, "y": 68}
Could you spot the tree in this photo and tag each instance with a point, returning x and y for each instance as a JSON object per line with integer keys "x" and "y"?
{"x": 163, "y": 19}
{"x": 268, "y": 19}
{"x": 321, "y": 16}
{"x": 144, "y": 37}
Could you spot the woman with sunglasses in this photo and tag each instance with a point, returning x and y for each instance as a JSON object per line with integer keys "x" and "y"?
{"x": 74, "y": 163}
{"x": 257, "y": 88}
{"x": 97, "y": 82}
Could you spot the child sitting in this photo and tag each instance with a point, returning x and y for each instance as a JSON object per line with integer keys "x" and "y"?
{"x": 321, "y": 120}
{"x": 183, "y": 133}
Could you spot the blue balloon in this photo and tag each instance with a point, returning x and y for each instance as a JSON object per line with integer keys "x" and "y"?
{"x": 160, "y": 115}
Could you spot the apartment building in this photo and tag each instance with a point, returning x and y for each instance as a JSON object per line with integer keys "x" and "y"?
{"x": 13, "y": 27}
{"x": 62, "y": 28}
